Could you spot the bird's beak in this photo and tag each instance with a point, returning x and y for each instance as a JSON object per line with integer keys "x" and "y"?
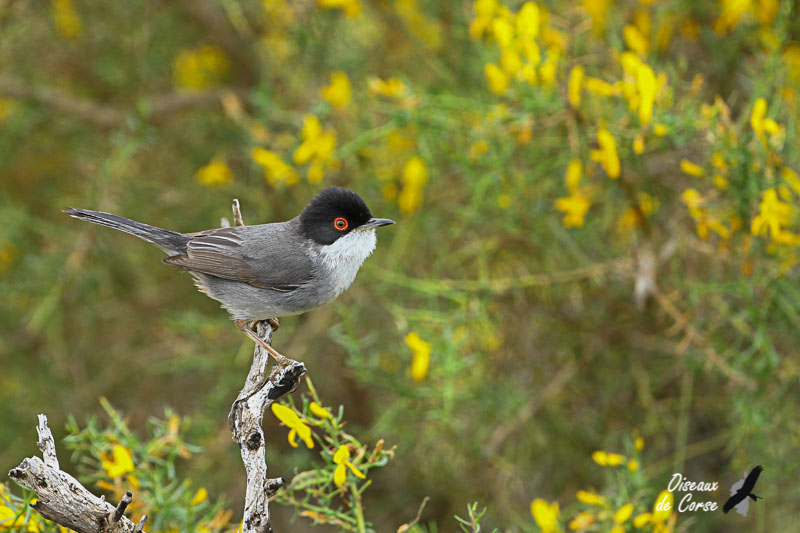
{"x": 377, "y": 223}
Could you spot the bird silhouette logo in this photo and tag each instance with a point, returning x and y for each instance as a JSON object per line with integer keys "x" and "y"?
{"x": 741, "y": 490}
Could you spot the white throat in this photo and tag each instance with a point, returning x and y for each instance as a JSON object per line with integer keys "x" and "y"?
{"x": 344, "y": 257}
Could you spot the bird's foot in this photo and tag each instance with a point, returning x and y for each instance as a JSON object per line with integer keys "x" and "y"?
{"x": 247, "y": 328}
{"x": 274, "y": 324}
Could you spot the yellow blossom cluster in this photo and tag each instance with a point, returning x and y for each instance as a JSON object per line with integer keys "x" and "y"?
{"x": 577, "y": 203}
{"x": 199, "y": 68}
{"x": 414, "y": 179}
{"x": 216, "y": 172}
{"x": 316, "y": 149}
{"x": 276, "y": 170}
{"x": 520, "y": 38}
{"x": 602, "y": 513}
{"x": 339, "y": 91}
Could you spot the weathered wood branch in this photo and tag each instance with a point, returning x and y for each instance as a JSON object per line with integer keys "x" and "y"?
{"x": 245, "y": 418}
{"x": 62, "y": 498}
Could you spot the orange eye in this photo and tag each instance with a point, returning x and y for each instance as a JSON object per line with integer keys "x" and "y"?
{"x": 341, "y": 223}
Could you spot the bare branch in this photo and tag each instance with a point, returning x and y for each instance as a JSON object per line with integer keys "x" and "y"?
{"x": 245, "y": 421}
{"x": 123, "y": 504}
{"x": 62, "y": 498}
{"x": 46, "y": 443}
{"x": 237, "y": 213}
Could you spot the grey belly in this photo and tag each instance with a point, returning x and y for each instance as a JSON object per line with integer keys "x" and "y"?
{"x": 245, "y": 302}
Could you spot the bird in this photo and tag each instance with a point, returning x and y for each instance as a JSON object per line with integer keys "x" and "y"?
{"x": 266, "y": 271}
{"x": 745, "y": 490}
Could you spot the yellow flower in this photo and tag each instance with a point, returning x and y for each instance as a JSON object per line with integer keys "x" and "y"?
{"x": 484, "y": 14}
{"x": 547, "y": 72}
{"x": 528, "y": 21}
{"x": 351, "y": 8}
{"x": 574, "y": 208}
{"x": 617, "y": 529}
{"x": 600, "y": 457}
{"x": 14, "y": 520}
{"x": 317, "y": 146}
{"x": 545, "y": 514}
{"x": 503, "y": 31}
{"x": 276, "y": 171}
{"x": 120, "y": 462}
{"x": 623, "y": 513}
{"x": 510, "y": 62}
{"x": 646, "y": 85}
{"x": 607, "y": 459}
{"x": 733, "y": 11}
{"x": 638, "y": 443}
{"x": 788, "y": 175}
{"x": 297, "y": 427}
{"x": 598, "y": 12}
{"x": 641, "y": 520}
{"x": 422, "y": 356}
{"x": 773, "y": 215}
{"x": 614, "y": 459}
{"x": 590, "y": 498}
{"x": 635, "y": 40}
{"x": 633, "y": 465}
{"x": 583, "y": 520}
{"x": 390, "y": 88}
{"x": 319, "y": 411}
{"x": 498, "y": 81}
{"x": 341, "y": 458}
{"x": 66, "y": 19}
{"x": 574, "y": 85}
{"x": 607, "y": 154}
{"x": 638, "y": 144}
{"x": 771, "y": 127}
{"x": 214, "y": 173}
{"x": 415, "y": 177}
{"x": 691, "y": 169}
{"x": 478, "y": 148}
{"x": 599, "y": 87}
{"x": 573, "y": 175}
{"x": 199, "y": 497}
{"x": 757, "y": 115}
{"x": 198, "y": 68}
{"x": 659, "y": 130}
{"x": 663, "y": 506}
{"x": 338, "y": 92}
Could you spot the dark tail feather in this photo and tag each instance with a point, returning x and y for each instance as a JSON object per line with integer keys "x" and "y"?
{"x": 755, "y": 498}
{"x": 171, "y": 242}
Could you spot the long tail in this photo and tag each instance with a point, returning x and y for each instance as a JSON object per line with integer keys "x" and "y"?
{"x": 754, "y": 497}
{"x": 171, "y": 242}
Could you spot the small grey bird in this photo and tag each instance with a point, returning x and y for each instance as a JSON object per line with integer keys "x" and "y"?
{"x": 270, "y": 270}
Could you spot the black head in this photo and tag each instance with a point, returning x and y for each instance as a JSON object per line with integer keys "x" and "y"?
{"x": 333, "y": 213}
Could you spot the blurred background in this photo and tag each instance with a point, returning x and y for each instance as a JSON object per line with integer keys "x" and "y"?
{"x": 592, "y": 283}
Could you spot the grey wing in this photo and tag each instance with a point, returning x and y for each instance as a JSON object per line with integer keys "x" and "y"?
{"x": 256, "y": 255}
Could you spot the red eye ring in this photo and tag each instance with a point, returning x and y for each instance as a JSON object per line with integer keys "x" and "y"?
{"x": 341, "y": 223}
